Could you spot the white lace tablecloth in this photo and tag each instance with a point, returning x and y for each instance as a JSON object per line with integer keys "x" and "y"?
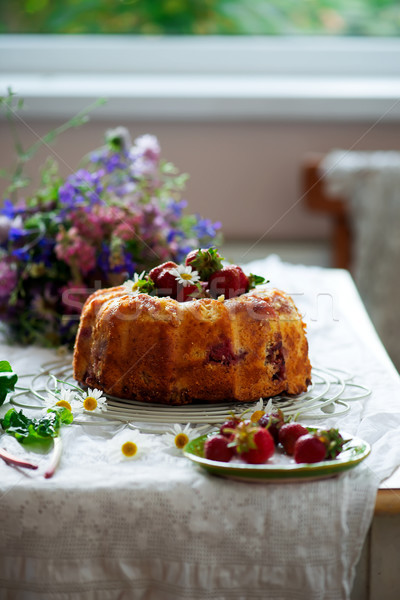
{"x": 159, "y": 528}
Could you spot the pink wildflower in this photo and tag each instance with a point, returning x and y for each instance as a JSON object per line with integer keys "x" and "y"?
{"x": 88, "y": 224}
{"x": 75, "y": 251}
{"x": 8, "y": 278}
{"x": 146, "y": 146}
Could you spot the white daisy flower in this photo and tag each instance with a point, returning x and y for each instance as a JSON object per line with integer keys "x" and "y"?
{"x": 178, "y": 437}
{"x": 269, "y": 406}
{"x": 185, "y": 275}
{"x": 65, "y": 397}
{"x": 259, "y": 405}
{"x": 132, "y": 285}
{"x": 129, "y": 445}
{"x": 258, "y": 411}
{"x": 94, "y": 400}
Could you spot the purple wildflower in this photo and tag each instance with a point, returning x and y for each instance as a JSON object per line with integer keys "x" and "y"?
{"x": 106, "y": 263}
{"x": 127, "y": 266}
{"x": 16, "y": 233}
{"x": 183, "y": 251}
{"x": 176, "y": 208}
{"x": 103, "y": 259}
{"x": 21, "y": 254}
{"x": 171, "y": 236}
{"x": 80, "y": 187}
{"x": 9, "y": 210}
{"x": 113, "y": 162}
{"x": 206, "y": 228}
{"x": 44, "y": 251}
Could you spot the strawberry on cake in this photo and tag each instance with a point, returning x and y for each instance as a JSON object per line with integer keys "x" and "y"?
{"x": 197, "y": 332}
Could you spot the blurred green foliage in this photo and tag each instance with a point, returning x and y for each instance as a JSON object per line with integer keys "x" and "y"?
{"x": 202, "y": 17}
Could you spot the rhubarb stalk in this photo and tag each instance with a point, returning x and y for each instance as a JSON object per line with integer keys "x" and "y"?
{"x": 55, "y": 458}
{"x": 14, "y": 461}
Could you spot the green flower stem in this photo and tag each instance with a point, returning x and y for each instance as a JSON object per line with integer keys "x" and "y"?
{"x": 70, "y": 385}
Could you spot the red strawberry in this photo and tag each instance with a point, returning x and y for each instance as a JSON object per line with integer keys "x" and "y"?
{"x": 205, "y": 261}
{"x": 252, "y": 443}
{"x": 273, "y": 422}
{"x": 309, "y": 449}
{"x": 193, "y": 255}
{"x": 229, "y": 281}
{"x": 216, "y": 448}
{"x": 243, "y": 280}
{"x": 165, "y": 282}
{"x": 333, "y": 441}
{"x": 229, "y": 424}
{"x": 154, "y": 273}
{"x": 289, "y": 434}
{"x": 185, "y": 293}
{"x": 263, "y": 450}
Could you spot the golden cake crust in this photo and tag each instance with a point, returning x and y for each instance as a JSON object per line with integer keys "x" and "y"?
{"x": 160, "y": 350}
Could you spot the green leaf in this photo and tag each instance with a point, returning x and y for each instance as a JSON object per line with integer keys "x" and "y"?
{"x": 8, "y": 379}
{"x": 255, "y": 280}
{"x": 65, "y": 415}
{"x": 5, "y": 366}
{"x": 168, "y": 168}
{"x": 207, "y": 262}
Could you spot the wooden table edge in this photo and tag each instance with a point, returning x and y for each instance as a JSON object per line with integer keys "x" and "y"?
{"x": 387, "y": 502}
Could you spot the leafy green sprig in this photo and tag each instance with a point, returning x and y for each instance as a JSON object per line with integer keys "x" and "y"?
{"x": 39, "y": 431}
{"x": 12, "y": 106}
{"x": 27, "y": 430}
{"x": 8, "y": 379}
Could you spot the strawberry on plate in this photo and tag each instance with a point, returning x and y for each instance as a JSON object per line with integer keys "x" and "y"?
{"x": 252, "y": 443}
{"x": 229, "y": 425}
{"x": 333, "y": 441}
{"x": 289, "y": 434}
{"x": 263, "y": 450}
{"x": 273, "y": 422}
{"x": 217, "y": 448}
{"x": 318, "y": 445}
{"x": 309, "y": 449}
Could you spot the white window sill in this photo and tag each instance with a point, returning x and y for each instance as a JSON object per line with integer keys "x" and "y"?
{"x": 205, "y": 78}
{"x": 209, "y": 97}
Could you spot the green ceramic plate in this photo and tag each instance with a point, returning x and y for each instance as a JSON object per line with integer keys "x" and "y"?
{"x": 281, "y": 467}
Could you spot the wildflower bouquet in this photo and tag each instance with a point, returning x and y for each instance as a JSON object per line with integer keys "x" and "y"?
{"x": 121, "y": 213}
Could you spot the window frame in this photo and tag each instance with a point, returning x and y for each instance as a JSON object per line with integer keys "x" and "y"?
{"x": 205, "y": 78}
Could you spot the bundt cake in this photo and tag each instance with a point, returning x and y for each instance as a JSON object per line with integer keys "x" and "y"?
{"x": 136, "y": 345}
